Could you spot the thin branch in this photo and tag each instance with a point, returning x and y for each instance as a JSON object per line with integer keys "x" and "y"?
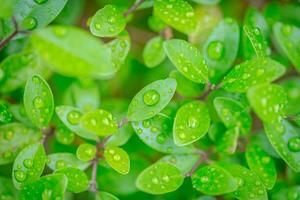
{"x": 123, "y": 122}
{"x": 93, "y": 182}
{"x": 210, "y": 87}
{"x": 167, "y": 33}
{"x": 47, "y": 132}
{"x": 203, "y": 156}
{"x": 11, "y": 36}
{"x": 133, "y": 7}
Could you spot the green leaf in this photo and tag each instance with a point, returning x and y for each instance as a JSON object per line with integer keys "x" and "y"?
{"x": 86, "y": 152}
{"x": 71, "y": 117}
{"x": 179, "y": 14}
{"x": 50, "y": 187}
{"x": 155, "y": 23}
{"x": 252, "y": 72}
{"x": 249, "y": 185}
{"x": 20, "y": 114}
{"x": 6, "y": 9}
{"x": 220, "y": 49}
{"x": 7, "y": 190}
{"x": 153, "y": 53}
{"x": 73, "y": 52}
{"x": 151, "y": 99}
{"x": 187, "y": 59}
{"x": 207, "y": 2}
{"x": 5, "y": 115}
{"x": 64, "y": 135}
{"x": 38, "y": 101}
{"x": 233, "y": 114}
{"x": 183, "y": 162}
{"x": 285, "y": 139}
{"x": 62, "y": 160}
{"x": 216, "y": 130}
{"x": 159, "y": 178}
{"x": 227, "y": 142}
{"x": 268, "y": 101}
{"x": 288, "y": 38}
{"x": 28, "y": 165}
{"x": 77, "y": 179}
{"x": 13, "y": 138}
{"x": 292, "y": 88}
{"x": 214, "y": 180}
{"x": 191, "y": 123}
{"x": 105, "y": 196}
{"x": 118, "y": 159}
{"x": 261, "y": 164}
{"x": 108, "y": 22}
{"x": 100, "y": 122}
{"x": 258, "y": 43}
{"x": 16, "y": 69}
{"x": 186, "y": 87}
{"x": 36, "y": 14}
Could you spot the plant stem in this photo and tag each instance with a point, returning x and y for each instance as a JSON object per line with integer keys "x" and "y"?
{"x": 133, "y": 7}
{"x": 11, "y": 36}
{"x": 202, "y": 157}
{"x": 167, "y": 33}
{"x": 123, "y": 122}
{"x": 93, "y": 183}
{"x": 210, "y": 87}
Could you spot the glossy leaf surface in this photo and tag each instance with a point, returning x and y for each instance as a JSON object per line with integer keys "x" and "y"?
{"x": 118, "y": 159}
{"x": 62, "y": 160}
{"x": 153, "y": 53}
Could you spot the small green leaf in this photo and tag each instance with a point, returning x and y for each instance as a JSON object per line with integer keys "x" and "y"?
{"x": 249, "y": 185}
{"x": 71, "y": 117}
{"x": 118, "y": 159}
{"x": 73, "y": 52}
{"x": 228, "y": 141}
{"x": 86, "y": 152}
{"x": 183, "y": 162}
{"x": 62, "y": 160}
{"x": 268, "y": 101}
{"x": 155, "y": 23}
{"x": 159, "y": 178}
{"x": 179, "y": 14}
{"x": 38, "y": 101}
{"x": 220, "y": 49}
{"x": 100, "y": 122}
{"x": 187, "y": 59}
{"x": 108, "y": 22}
{"x": 252, "y": 72}
{"x": 151, "y": 99}
{"x": 28, "y": 165}
{"x": 52, "y": 186}
{"x": 153, "y": 53}
{"x": 261, "y": 164}
{"x": 233, "y": 114}
{"x": 14, "y": 137}
{"x": 285, "y": 139}
{"x": 63, "y": 135}
{"x": 288, "y": 38}
{"x": 77, "y": 179}
{"x": 105, "y": 196}
{"x": 214, "y": 180}
{"x": 186, "y": 87}
{"x": 191, "y": 123}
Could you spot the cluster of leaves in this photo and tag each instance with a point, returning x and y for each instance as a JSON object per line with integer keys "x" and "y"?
{"x": 209, "y": 108}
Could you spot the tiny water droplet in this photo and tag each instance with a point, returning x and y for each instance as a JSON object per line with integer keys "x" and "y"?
{"x": 155, "y": 180}
{"x": 215, "y": 50}
{"x": 117, "y": 157}
{"x": 294, "y": 144}
{"x": 60, "y": 164}
{"x": 28, "y": 163}
{"x": 73, "y": 117}
{"x": 151, "y": 97}
{"x": 161, "y": 138}
{"x": 146, "y": 123}
{"x": 38, "y": 102}
{"x": 192, "y": 122}
{"x": 204, "y": 179}
{"x": 29, "y": 23}
{"x": 20, "y": 176}
{"x": 40, "y": 1}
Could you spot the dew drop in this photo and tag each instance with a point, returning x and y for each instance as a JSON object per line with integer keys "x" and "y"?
{"x": 166, "y": 178}
{"x": 40, "y": 1}
{"x": 155, "y": 180}
{"x": 38, "y": 102}
{"x": 294, "y": 144}
{"x": 73, "y": 117}
{"x": 265, "y": 159}
{"x": 204, "y": 179}
{"x": 161, "y": 138}
{"x": 182, "y": 136}
{"x": 151, "y": 97}
{"x": 117, "y": 157}
{"x": 192, "y": 122}
{"x": 60, "y": 164}
{"x": 29, "y": 23}
{"x": 215, "y": 50}
{"x": 146, "y": 123}
{"x": 28, "y": 163}
{"x": 20, "y": 176}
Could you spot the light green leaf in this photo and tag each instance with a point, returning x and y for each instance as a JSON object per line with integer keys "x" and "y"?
{"x": 288, "y": 38}
{"x": 108, "y": 22}
{"x": 220, "y": 49}
{"x": 292, "y": 88}
{"x": 252, "y": 72}
{"x": 249, "y": 185}
{"x": 71, "y": 117}
{"x": 86, "y": 152}
{"x": 227, "y": 142}
{"x": 268, "y": 101}
{"x": 207, "y": 2}
{"x": 285, "y": 139}
{"x": 105, "y": 196}
{"x": 16, "y": 69}
{"x": 179, "y": 14}
{"x": 28, "y": 165}
{"x": 62, "y": 160}
{"x": 187, "y": 59}
{"x": 73, "y": 52}
{"x": 183, "y": 162}
{"x": 155, "y": 23}
{"x": 38, "y": 101}
{"x": 233, "y": 114}
{"x": 186, "y": 87}
{"x": 151, "y": 99}
{"x": 159, "y": 178}
{"x": 191, "y": 123}
{"x": 77, "y": 179}
{"x": 118, "y": 159}
{"x": 261, "y": 164}
{"x": 214, "y": 180}
{"x": 153, "y": 53}
{"x": 254, "y": 18}
{"x": 50, "y": 187}
{"x": 100, "y": 122}
{"x": 64, "y": 135}
{"x": 13, "y": 137}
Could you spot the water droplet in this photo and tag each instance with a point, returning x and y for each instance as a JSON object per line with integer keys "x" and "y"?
{"x": 117, "y": 157}
{"x": 204, "y": 179}
{"x": 73, "y": 117}
{"x": 29, "y": 23}
{"x": 161, "y": 138}
{"x": 28, "y": 163}
{"x": 40, "y": 1}
{"x": 155, "y": 180}
{"x": 294, "y": 144}
{"x": 265, "y": 159}
{"x": 97, "y": 26}
{"x": 151, "y": 97}
{"x": 60, "y": 164}
{"x": 192, "y": 122}
{"x": 111, "y": 20}
{"x": 146, "y": 123}
{"x": 240, "y": 181}
{"x": 286, "y": 30}
{"x": 182, "y": 136}
{"x": 166, "y": 178}
{"x": 38, "y": 102}
{"x": 215, "y": 50}
{"x": 20, "y": 176}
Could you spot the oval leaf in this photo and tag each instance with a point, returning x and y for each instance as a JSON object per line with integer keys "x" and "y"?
{"x": 118, "y": 159}
{"x": 227, "y": 141}
{"x": 187, "y": 59}
{"x": 62, "y": 160}
{"x": 159, "y": 178}
{"x": 183, "y": 162}
{"x": 191, "y": 123}
{"x": 154, "y": 53}
{"x": 151, "y": 99}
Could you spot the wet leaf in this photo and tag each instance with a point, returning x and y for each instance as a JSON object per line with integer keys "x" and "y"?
{"x": 62, "y": 160}
{"x": 118, "y": 159}
{"x": 183, "y": 162}
{"x": 86, "y": 152}
{"x": 228, "y": 140}
{"x": 153, "y": 53}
